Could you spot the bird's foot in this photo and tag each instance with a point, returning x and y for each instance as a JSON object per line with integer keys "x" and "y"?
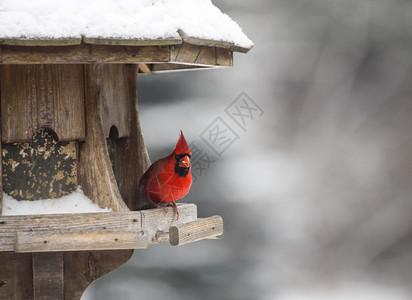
{"x": 174, "y": 206}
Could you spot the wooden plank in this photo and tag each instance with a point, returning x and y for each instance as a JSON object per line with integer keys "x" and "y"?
{"x": 206, "y": 228}
{"x": 48, "y": 278}
{"x": 131, "y": 42}
{"x": 207, "y": 56}
{"x": 128, "y": 155}
{"x": 95, "y": 169}
{"x": 41, "y": 42}
{"x": 115, "y": 102}
{"x": 177, "y": 67}
{"x": 224, "y": 57}
{"x": 58, "y": 239}
{"x": 9, "y": 225}
{"x": 185, "y": 53}
{"x": 1, "y": 172}
{"x": 212, "y": 43}
{"x": 82, "y": 54}
{"x": 17, "y": 273}
{"x": 200, "y": 56}
{"x": 41, "y": 96}
{"x": 151, "y": 221}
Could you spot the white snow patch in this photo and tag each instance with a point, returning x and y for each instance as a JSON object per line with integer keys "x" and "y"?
{"x": 76, "y": 202}
{"x": 125, "y": 19}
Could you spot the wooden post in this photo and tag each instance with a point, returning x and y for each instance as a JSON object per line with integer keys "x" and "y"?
{"x": 48, "y": 278}
{"x": 95, "y": 169}
{"x": 128, "y": 151}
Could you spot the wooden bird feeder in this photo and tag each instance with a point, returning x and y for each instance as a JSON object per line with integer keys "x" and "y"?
{"x": 69, "y": 117}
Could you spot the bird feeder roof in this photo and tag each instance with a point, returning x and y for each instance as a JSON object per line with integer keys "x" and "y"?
{"x": 123, "y": 24}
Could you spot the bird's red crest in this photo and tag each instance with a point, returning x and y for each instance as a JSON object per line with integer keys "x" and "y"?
{"x": 182, "y": 146}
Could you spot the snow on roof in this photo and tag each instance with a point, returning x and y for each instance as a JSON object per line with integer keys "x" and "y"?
{"x": 76, "y": 202}
{"x": 118, "y": 19}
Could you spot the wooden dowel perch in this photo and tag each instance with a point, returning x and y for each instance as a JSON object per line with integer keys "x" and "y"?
{"x": 207, "y": 228}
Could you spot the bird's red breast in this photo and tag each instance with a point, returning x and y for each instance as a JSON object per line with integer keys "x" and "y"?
{"x": 169, "y": 179}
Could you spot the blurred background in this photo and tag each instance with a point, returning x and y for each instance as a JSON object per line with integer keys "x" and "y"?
{"x": 316, "y": 191}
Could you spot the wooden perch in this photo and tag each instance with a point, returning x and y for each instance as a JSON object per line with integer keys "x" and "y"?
{"x": 78, "y": 240}
{"x": 106, "y": 231}
{"x": 207, "y": 228}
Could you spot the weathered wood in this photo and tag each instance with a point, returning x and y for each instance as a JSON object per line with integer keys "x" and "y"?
{"x": 201, "y": 55}
{"x": 48, "y": 276}
{"x": 171, "y": 67}
{"x": 206, "y": 228}
{"x": 1, "y": 173}
{"x": 144, "y": 68}
{"x": 211, "y": 43}
{"x": 17, "y": 273}
{"x": 84, "y": 267}
{"x": 207, "y": 56}
{"x": 131, "y": 42}
{"x": 86, "y": 222}
{"x": 82, "y": 54}
{"x": 161, "y": 219}
{"x": 115, "y": 102}
{"x": 224, "y": 57}
{"x": 59, "y": 239}
{"x": 41, "y": 42}
{"x": 129, "y": 155}
{"x": 81, "y": 268}
{"x": 198, "y": 55}
{"x": 184, "y": 53}
{"x": 150, "y": 221}
{"x": 95, "y": 169}
{"x": 41, "y": 96}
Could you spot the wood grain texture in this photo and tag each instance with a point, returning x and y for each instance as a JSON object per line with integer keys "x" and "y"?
{"x": 150, "y": 221}
{"x": 83, "y": 54}
{"x": 17, "y": 273}
{"x": 62, "y": 239}
{"x": 201, "y": 55}
{"x": 84, "y": 267}
{"x": 41, "y": 96}
{"x": 41, "y": 42}
{"x": 224, "y": 57}
{"x": 129, "y": 155}
{"x": 95, "y": 169}
{"x": 212, "y": 43}
{"x": 205, "y": 228}
{"x": 1, "y": 174}
{"x": 161, "y": 219}
{"x": 86, "y": 222}
{"x": 131, "y": 42}
{"x": 48, "y": 276}
{"x": 115, "y": 100}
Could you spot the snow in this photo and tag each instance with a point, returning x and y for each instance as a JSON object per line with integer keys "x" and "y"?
{"x": 76, "y": 202}
{"x": 123, "y": 19}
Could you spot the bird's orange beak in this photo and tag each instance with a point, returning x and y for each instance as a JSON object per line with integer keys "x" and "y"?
{"x": 185, "y": 162}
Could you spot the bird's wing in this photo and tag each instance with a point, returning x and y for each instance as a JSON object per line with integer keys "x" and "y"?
{"x": 156, "y": 168}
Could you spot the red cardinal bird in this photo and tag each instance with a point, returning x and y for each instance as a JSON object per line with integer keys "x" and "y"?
{"x": 169, "y": 179}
